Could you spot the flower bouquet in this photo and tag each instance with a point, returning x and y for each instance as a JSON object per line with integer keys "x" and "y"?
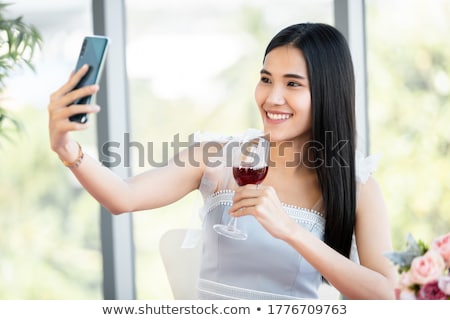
{"x": 424, "y": 271}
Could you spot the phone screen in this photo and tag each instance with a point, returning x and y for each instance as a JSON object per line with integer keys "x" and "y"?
{"x": 92, "y": 53}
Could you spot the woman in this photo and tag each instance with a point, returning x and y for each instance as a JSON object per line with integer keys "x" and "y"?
{"x": 311, "y": 212}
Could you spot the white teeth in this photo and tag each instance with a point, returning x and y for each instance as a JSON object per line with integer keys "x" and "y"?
{"x": 279, "y": 116}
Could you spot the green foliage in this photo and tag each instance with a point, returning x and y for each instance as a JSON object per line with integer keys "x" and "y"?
{"x": 18, "y": 44}
{"x": 409, "y": 108}
{"x": 403, "y": 259}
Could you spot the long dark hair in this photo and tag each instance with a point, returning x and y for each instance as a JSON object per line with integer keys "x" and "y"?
{"x": 332, "y": 85}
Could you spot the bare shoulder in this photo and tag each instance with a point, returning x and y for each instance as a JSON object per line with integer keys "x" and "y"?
{"x": 370, "y": 197}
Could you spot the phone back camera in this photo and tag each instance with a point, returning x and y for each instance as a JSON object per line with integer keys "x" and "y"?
{"x": 83, "y": 48}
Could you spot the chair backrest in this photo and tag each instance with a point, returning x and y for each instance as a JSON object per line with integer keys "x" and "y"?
{"x": 182, "y": 264}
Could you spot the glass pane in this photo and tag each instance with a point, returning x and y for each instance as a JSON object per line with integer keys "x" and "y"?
{"x": 49, "y": 243}
{"x": 409, "y": 107}
{"x": 193, "y": 66}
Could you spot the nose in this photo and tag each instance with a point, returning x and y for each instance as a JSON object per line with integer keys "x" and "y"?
{"x": 276, "y": 96}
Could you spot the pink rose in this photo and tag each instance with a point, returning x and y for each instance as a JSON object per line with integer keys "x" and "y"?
{"x": 444, "y": 284}
{"x": 431, "y": 291}
{"x": 405, "y": 280}
{"x": 442, "y": 245}
{"x": 427, "y": 268}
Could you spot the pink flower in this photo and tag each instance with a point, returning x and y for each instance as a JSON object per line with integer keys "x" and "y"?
{"x": 405, "y": 280}
{"x": 431, "y": 291}
{"x": 442, "y": 245}
{"x": 427, "y": 268}
{"x": 444, "y": 284}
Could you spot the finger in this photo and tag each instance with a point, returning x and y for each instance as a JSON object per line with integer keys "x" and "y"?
{"x": 77, "y": 94}
{"x": 67, "y": 126}
{"x": 245, "y": 211}
{"x": 74, "y": 79}
{"x": 247, "y": 191}
{"x": 63, "y": 114}
{"x": 59, "y": 129}
{"x": 57, "y": 101}
{"x": 239, "y": 206}
{"x": 77, "y": 109}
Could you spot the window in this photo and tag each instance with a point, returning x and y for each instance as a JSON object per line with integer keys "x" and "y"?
{"x": 409, "y": 87}
{"x": 49, "y": 245}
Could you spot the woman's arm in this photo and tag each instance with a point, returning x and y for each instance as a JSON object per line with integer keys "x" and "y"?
{"x": 149, "y": 190}
{"x": 373, "y": 278}
{"x": 152, "y": 189}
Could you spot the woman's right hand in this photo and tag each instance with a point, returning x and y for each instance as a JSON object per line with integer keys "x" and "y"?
{"x": 61, "y": 107}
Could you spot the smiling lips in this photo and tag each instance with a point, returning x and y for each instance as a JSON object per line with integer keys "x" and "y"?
{"x": 278, "y": 116}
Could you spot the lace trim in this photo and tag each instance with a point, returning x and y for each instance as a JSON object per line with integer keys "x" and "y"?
{"x": 208, "y": 289}
{"x": 221, "y": 197}
{"x": 224, "y": 197}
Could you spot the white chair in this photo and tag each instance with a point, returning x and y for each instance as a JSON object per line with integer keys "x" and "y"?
{"x": 182, "y": 264}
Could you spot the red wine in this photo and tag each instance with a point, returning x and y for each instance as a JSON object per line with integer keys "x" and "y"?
{"x": 245, "y": 176}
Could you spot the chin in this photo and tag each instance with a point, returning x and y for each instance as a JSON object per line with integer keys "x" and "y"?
{"x": 279, "y": 136}
{"x": 276, "y": 136}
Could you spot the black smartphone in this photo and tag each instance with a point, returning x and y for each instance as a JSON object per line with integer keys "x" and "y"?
{"x": 93, "y": 53}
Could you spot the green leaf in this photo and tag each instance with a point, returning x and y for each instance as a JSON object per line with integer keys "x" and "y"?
{"x": 18, "y": 41}
{"x": 404, "y": 258}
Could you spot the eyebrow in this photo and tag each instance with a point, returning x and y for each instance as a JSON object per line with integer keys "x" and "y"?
{"x": 287, "y": 75}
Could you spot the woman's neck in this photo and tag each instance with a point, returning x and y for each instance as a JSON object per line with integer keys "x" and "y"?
{"x": 290, "y": 156}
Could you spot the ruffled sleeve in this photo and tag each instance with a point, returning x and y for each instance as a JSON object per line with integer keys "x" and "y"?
{"x": 365, "y": 166}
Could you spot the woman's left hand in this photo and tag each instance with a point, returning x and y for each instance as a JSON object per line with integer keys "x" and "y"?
{"x": 262, "y": 203}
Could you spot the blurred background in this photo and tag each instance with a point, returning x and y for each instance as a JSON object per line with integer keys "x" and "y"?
{"x": 193, "y": 65}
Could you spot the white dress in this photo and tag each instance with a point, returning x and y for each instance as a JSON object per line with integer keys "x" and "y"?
{"x": 260, "y": 267}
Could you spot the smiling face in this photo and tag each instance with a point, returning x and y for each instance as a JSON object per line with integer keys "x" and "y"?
{"x": 283, "y": 95}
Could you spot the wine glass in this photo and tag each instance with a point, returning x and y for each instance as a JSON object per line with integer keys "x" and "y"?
{"x": 250, "y": 166}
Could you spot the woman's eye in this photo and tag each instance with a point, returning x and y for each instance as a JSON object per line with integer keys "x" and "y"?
{"x": 293, "y": 84}
{"x": 265, "y": 80}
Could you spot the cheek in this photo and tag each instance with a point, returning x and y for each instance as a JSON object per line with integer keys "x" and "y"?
{"x": 258, "y": 94}
{"x": 305, "y": 103}
{"x": 301, "y": 103}
{"x": 309, "y": 107}
{"x": 305, "y": 98}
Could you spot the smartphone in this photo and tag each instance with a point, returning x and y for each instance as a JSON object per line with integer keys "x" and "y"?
{"x": 93, "y": 53}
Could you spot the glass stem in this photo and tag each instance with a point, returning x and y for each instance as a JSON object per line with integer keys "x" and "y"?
{"x": 232, "y": 224}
